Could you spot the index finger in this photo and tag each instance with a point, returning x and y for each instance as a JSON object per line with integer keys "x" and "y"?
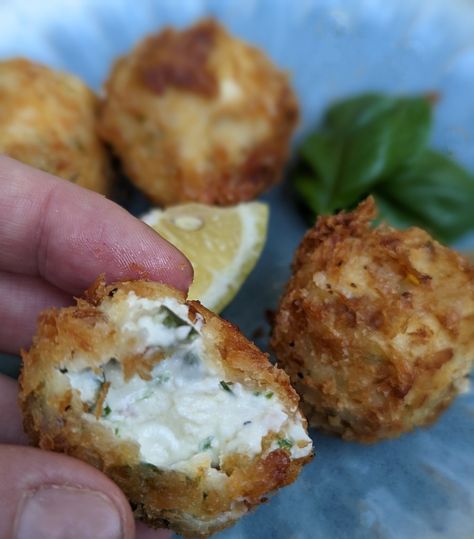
{"x": 68, "y": 235}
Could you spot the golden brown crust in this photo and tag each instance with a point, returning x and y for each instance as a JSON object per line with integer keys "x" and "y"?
{"x": 179, "y": 60}
{"x": 199, "y": 115}
{"x": 80, "y": 337}
{"x": 48, "y": 120}
{"x": 376, "y": 326}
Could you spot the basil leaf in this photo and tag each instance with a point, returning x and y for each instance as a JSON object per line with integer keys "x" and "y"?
{"x": 358, "y": 109}
{"x": 361, "y": 140}
{"x": 434, "y": 193}
{"x": 318, "y": 171}
{"x": 380, "y": 142}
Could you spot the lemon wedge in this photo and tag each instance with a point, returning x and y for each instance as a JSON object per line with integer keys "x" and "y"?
{"x": 223, "y": 245}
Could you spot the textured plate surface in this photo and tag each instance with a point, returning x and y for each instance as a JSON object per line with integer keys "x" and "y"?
{"x": 422, "y": 485}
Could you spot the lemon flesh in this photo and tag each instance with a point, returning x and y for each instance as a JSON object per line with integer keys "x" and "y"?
{"x": 222, "y": 244}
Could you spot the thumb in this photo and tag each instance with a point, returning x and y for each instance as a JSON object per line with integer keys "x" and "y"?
{"x": 50, "y": 496}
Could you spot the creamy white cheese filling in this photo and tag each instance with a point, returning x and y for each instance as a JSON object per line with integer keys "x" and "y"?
{"x": 188, "y": 414}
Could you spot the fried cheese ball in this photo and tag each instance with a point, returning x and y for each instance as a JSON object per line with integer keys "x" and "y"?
{"x": 170, "y": 401}
{"x": 48, "y": 120}
{"x": 199, "y": 115}
{"x": 376, "y": 326}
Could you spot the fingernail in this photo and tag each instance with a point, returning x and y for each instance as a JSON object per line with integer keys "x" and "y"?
{"x": 62, "y": 512}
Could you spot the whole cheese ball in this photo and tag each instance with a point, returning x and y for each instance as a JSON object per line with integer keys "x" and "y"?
{"x": 199, "y": 115}
{"x": 376, "y": 326}
{"x": 48, "y": 120}
{"x": 170, "y": 401}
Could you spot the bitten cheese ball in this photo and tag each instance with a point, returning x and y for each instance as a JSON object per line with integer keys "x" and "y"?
{"x": 376, "y": 326}
{"x": 199, "y": 115}
{"x": 48, "y": 120}
{"x": 170, "y": 401}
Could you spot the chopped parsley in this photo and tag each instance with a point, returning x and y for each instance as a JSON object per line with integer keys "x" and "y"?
{"x": 192, "y": 334}
{"x": 117, "y": 431}
{"x": 106, "y": 411}
{"x": 284, "y": 443}
{"x": 172, "y": 320}
{"x": 226, "y": 386}
{"x": 146, "y": 395}
{"x": 162, "y": 378}
{"x": 190, "y": 358}
{"x": 247, "y": 423}
{"x": 257, "y": 393}
{"x": 206, "y": 444}
{"x": 269, "y": 395}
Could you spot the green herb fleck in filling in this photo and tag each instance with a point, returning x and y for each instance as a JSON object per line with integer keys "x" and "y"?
{"x": 190, "y": 358}
{"x": 284, "y": 443}
{"x": 206, "y": 444}
{"x": 226, "y": 386}
{"x": 172, "y": 320}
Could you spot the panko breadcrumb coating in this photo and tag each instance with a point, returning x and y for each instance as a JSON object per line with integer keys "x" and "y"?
{"x": 376, "y": 326}
{"x": 199, "y": 115}
{"x": 169, "y": 400}
{"x": 48, "y": 120}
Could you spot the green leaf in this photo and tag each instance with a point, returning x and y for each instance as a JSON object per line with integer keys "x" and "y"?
{"x": 361, "y": 141}
{"x": 315, "y": 179}
{"x": 434, "y": 193}
{"x": 349, "y": 112}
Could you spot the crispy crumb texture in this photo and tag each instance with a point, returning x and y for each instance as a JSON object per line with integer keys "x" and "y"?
{"x": 199, "y": 115}
{"x": 229, "y": 431}
{"x": 376, "y": 326}
{"x": 48, "y": 120}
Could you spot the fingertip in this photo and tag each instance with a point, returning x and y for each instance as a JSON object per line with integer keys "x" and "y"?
{"x": 184, "y": 273}
{"x": 169, "y": 264}
{"x": 44, "y": 494}
{"x": 67, "y": 235}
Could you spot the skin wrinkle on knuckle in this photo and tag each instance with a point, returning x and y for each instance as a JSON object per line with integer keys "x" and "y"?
{"x": 15, "y": 203}
{"x": 43, "y": 232}
{"x": 56, "y": 226}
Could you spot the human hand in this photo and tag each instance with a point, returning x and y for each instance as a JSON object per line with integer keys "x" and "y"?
{"x": 55, "y": 239}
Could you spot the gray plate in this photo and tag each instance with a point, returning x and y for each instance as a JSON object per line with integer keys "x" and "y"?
{"x": 420, "y": 486}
